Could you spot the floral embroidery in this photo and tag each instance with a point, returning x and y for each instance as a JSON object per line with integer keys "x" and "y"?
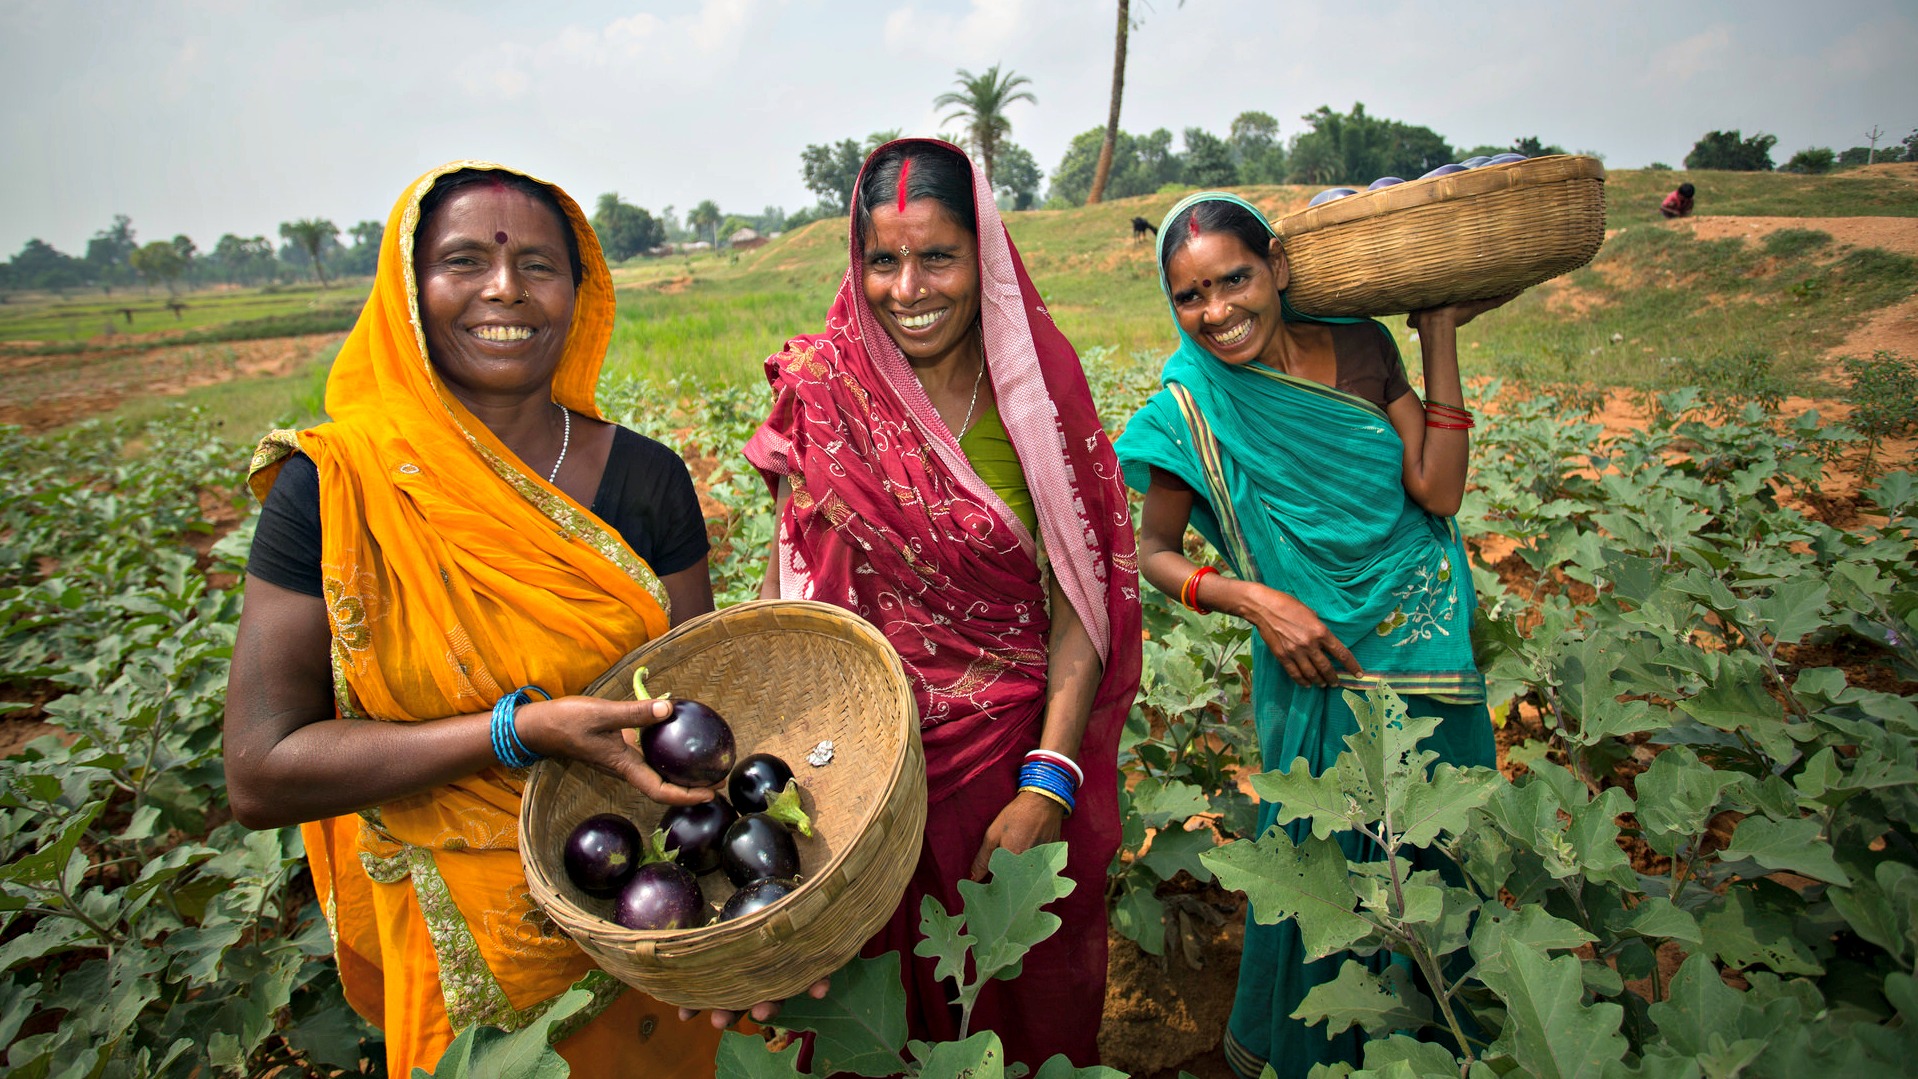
{"x": 1427, "y": 608}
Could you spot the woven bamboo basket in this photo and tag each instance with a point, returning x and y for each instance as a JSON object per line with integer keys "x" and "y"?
{"x": 786, "y": 674}
{"x": 1469, "y": 235}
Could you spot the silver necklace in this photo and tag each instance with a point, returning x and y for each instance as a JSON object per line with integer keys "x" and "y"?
{"x": 970, "y": 405}
{"x": 565, "y": 440}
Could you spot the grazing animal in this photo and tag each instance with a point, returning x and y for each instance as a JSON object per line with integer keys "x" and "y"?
{"x": 1140, "y": 227}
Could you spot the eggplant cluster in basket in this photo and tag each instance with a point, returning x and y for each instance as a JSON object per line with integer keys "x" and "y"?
{"x": 746, "y": 833}
{"x": 1479, "y": 162}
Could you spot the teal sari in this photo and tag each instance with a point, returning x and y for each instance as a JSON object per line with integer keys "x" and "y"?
{"x": 1300, "y": 487}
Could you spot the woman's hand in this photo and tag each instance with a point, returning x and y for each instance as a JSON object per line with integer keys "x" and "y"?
{"x": 1304, "y": 647}
{"x": 1028, "y": 821}
{"x": 1454, "y": 315}
{"x": 602, "y": 733}
{"x": 762, "y": 1012}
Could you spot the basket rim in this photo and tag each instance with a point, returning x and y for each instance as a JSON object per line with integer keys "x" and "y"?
{"x": 571, "y": 915}
{"x": 1430, "y": 190}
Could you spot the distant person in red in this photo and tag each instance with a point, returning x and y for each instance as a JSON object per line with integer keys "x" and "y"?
{"x": 1678, "y": 203}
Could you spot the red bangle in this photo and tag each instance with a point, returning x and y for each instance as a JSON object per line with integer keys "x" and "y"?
{"x": 1450, "y": 426}
{"x": 1189, "y": 592}
{"x": 1448, "y": 411}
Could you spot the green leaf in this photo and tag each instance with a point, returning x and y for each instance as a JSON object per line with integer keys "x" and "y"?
{"x": 1140, "y": 917}
{"x": 1174, "y": 849}
{"x": 1793, "y": 609}
{"x": 1699, "y": 1004}
{"x": 1006, "y": 913}
{"x": 1549, "y": 1030}
{"x": 1058, "y": 1067}
{"x": 1791, "y": 845}
{"x": 1884, "y": 908}
{"x": 480, "y": 1052}
{"x": 1326, "y": 799}
{"x": 1307, "y": 881}
{"x": 1655, "y": 917}
{"x": 1445, "y": 803}
{"x": 745, "y": 1056}
{"x": 1743, "y": 934}
{"x": 943, "y": 937}
{"x": 1358, "y": 997}
{"x": 43, "y": 869}
{"x": 1160, "y": 802}
{"x": 978, "y": 1057}
{"x": 860, "y": 1024}
{"x": 1419, "y": 1058}
{"x": 1677, "y": 794}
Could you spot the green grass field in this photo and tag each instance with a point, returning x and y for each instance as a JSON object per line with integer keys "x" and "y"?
{"x": 99, "y": 320}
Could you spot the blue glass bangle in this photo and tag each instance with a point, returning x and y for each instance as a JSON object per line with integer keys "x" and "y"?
{"x": 1049, "y": 778}
{"x": 506, "y": 744}
{"x": 1041, "y": 767}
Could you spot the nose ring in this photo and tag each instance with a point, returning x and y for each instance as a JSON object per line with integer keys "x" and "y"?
{"x": 922, "y": 292}
{"x": 525, "y": 294}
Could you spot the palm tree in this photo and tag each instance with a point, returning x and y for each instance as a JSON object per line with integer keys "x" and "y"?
{"x": 311, "y": 233}
{"x": 706, "y": 213}
{"x": 1104, "y": 169}
{"x": 980, "y": 104}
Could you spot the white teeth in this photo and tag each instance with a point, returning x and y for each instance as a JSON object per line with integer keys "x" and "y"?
{"x": 502, "y": 333}
{"x": 1234, "y": 335}
{"x": 920, "y": 322}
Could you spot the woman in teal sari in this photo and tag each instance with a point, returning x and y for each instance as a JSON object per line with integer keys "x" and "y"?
{"x": 1297, "y": 448}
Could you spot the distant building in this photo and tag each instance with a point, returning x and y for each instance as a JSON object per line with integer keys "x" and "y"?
{"x": 746, "y": 239}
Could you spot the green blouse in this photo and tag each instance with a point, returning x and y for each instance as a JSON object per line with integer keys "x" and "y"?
{"x": 989, "y": 449}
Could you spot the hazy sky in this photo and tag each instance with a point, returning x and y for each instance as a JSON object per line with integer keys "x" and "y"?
{"x": 212, "y": 116}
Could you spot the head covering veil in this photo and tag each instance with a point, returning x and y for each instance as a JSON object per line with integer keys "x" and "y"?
{"x": 453, "y": 573}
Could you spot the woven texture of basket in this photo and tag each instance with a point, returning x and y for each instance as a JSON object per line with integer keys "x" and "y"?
{"x": 786, "y": 674}
{"x": 1464, "y": 236}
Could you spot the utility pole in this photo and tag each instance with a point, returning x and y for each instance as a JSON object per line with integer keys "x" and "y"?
{"x": 1876, "y": 133}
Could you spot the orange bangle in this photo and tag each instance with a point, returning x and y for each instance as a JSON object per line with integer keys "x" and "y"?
{"x": 1189, "y": 592}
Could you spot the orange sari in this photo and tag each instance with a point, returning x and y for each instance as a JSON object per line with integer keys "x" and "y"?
{"x": 453, "y": 574}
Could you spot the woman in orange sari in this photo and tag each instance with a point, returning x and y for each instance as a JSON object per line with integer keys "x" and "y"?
{"x": 467, "y": 528}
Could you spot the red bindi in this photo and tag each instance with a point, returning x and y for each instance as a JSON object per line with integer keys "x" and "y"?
{"x": 1207, "y": 283}
{"x": 499, "y": 238}
{"x": 905, "y": 170}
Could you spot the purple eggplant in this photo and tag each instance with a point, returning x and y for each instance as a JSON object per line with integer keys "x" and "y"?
{"x": 757, "y": 847}
{"x": 757, "y": 895}
{"x": 1443, "y": 170}
{"x": 661, "y": 895}
{"x": 694, "y": 832}
{"x": 756, "y": 780}
{"x": 1331, "y": 193}
{"x": 602, "y": 854}
{"x": 1383, "y": 181}
{"x": 693, "y": 747}
{"x": 1475, "y": 162}
{"x": 1505, "y": 159}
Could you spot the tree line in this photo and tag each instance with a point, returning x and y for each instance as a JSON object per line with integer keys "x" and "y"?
{"x": 1734, "y": 151}
{"x": 115, "y": 258}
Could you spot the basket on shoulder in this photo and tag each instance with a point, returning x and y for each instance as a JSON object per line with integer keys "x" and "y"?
{"x": 1473, "y": 230}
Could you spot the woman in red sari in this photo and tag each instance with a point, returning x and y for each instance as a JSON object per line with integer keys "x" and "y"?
{"x": 940, "y": 471}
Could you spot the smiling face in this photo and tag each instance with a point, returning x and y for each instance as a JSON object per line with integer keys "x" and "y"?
{"x": 496, "y": 292}
{"x": 927, "y": 298}
{"x": 1226, "y": 296}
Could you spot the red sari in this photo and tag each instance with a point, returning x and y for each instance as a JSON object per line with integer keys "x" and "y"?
{"x": 888, "y": 520}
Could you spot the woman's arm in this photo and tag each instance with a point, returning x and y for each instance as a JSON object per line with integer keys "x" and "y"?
{"x": 1436, "y": 457}
{"x": 1301, "y": 642}
{"x": 769, "y": 585}
{"x": 1073, "y": 671}
{"x": 689, "y": 592}
{"x": 289, "y": 760}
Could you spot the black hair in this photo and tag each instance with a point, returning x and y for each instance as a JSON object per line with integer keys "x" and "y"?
{"x": 938, "y": 173}
{"x": 453, "y": 183}
{"x": 1215, "y": 215}
{"x": 1686, "y": 190}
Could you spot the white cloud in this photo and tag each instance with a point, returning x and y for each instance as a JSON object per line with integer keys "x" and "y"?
{"x": 1706, "y": 51}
